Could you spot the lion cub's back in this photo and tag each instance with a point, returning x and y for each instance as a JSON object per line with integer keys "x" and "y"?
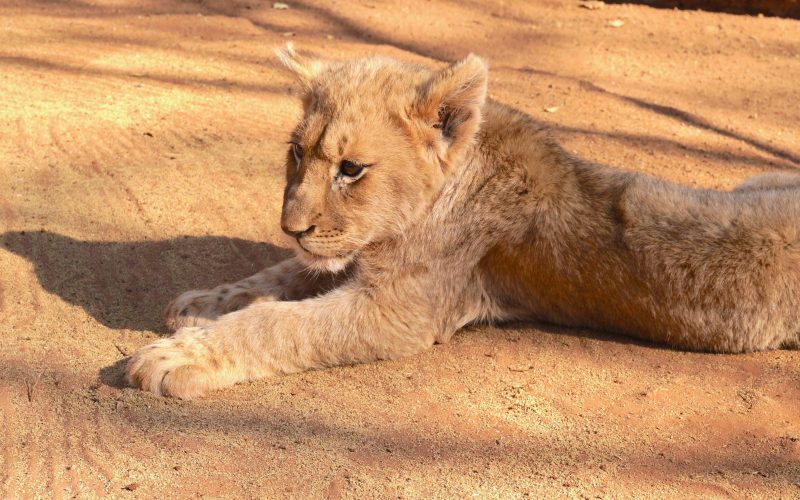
{"x": 724, "y": 268}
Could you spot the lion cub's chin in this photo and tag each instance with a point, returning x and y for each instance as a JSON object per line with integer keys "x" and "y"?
{"x": 326, "y": 264}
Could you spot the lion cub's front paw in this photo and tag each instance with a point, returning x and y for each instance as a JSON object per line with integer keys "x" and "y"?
{"x": 182, "y": 366}
{"x": 203, "y": 307}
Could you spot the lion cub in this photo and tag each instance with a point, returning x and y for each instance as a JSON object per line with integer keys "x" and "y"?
{"x": 421, "y": 207}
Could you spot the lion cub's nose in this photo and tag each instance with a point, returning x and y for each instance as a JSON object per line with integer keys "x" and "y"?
{"x": 298, "y": 233}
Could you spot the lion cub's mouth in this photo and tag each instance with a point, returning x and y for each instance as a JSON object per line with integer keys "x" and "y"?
{"x": 331, "y": 263}
{"x": 336, "y": 254}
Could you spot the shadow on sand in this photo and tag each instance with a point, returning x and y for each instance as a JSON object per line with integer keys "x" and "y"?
{"x": 126, "y": 284}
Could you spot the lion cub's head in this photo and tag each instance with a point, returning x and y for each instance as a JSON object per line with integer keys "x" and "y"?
{"x": 377, "y": 141}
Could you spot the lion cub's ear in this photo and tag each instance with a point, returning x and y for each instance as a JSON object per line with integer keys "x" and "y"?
{"x": 304, "y": 69}
{"x": 451, "y": 102}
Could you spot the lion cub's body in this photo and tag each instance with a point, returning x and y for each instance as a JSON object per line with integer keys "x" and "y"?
{"x": 422, "y": 208}
{"x": 624, "y": 252}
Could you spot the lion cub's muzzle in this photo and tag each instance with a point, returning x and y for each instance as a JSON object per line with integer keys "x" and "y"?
{"x": 320, "y": 242}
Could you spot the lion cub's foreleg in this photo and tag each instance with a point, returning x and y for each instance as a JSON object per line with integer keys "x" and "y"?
{"x": 345, "y": 326}
{"x": 287, "y": 280}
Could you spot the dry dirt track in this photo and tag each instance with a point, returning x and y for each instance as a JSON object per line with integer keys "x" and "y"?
{"x": 140, "y": 155}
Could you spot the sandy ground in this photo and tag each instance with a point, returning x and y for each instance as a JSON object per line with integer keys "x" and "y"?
{"x": 140, "y": 156}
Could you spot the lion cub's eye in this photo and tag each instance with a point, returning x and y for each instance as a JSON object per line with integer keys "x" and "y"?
{"x": 350, "y": 168}
{"x": 297, "y": 152}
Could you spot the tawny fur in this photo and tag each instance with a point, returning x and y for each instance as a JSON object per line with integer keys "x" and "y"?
{"x": 469, "y": 212}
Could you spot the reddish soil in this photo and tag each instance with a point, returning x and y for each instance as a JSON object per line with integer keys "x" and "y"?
{"x": 140, "y": 156}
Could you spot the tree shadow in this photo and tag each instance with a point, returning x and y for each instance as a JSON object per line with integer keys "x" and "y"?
{"x": 789, "y": 9}
{"x": 670, "y": 147}
{"x": 193, "y": 82}
{"x": 791, "y": 159}
{"x": 467, "y": 447}
{"x": 287, "y": 416}
{"x": 125, "y": 285}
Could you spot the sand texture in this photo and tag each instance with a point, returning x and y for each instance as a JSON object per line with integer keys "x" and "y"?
{"x": 141, "y": 150}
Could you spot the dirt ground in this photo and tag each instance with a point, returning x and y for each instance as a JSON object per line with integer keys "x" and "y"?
{"x": 141, "y": 155}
